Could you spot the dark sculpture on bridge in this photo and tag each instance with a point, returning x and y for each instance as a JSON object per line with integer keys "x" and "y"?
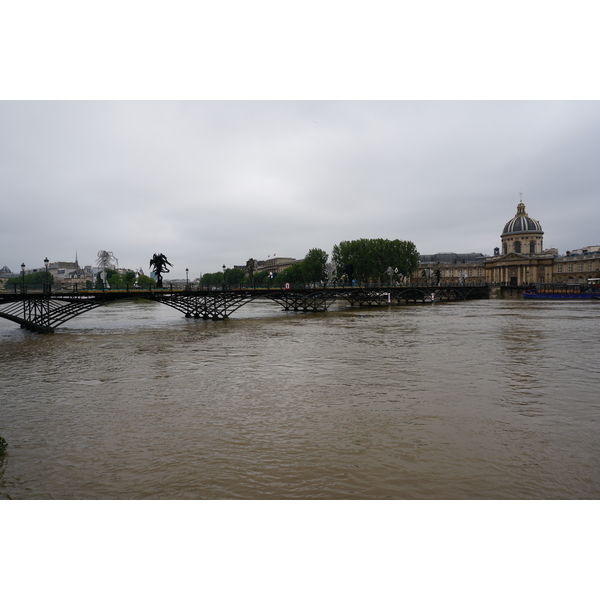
{"x": 160, "y": 263}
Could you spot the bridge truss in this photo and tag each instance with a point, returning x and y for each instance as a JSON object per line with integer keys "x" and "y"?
{"x": 205, "y": 306}
{"x": 43, "y": 312}
{"x": 312, "y": 301}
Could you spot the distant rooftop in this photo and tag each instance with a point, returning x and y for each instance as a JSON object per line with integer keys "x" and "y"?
{"x": 586, "y": 250}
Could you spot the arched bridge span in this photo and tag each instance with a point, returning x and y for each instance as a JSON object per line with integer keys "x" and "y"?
{"x": 43, "y": 312}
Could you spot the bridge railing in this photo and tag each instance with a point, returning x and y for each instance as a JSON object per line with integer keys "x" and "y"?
{"x": 24, "y": 288}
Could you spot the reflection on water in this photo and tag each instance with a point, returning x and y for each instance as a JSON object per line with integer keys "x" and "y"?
{"x": 480, "y": 399}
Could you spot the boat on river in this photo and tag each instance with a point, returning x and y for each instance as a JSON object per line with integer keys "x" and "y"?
{"x": 564, "y": 292}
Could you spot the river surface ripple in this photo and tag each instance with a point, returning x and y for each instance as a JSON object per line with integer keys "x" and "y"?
{"x": 480, "y": 399}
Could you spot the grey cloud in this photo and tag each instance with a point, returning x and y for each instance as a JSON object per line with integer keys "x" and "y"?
{"x": 209, "y": 183}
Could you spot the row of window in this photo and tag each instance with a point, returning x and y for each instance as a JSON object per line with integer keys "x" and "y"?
{"x": 517, "y": 247}
{"x": 581, "y": 266}
{"x": 458, "y": 272}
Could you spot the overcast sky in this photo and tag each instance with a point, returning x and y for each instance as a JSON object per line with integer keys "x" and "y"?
{"x": 209, "y": 183}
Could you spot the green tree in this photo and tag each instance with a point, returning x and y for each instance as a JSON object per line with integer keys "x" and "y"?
{"x": 109, "y": 273}
{"x": 37, "y": 279}
{"x": 261, "y": 279}
{"x": 293, "y": 275}
{"x": 129, "y": 278}
{"x": 212, "y": 279}
{"x": 116, "y": 281}
{"x": 313, "y": 265}
{"x": 368, "y": 259}
{"x": 234, "y": 277}
{"x": 144, "y": 281}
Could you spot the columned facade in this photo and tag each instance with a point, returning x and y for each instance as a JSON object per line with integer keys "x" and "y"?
{"x": 519, "y": 269}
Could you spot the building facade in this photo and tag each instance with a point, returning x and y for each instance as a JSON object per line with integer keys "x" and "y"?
{"x": 275, "y": 265}
{"x": 521, "y": 260}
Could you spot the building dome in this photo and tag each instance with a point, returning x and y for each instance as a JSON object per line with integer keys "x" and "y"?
{"x": 522, "y": 234}
{"x": 521, "y": 222}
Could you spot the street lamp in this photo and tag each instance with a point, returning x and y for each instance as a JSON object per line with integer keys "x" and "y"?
{"x": 23, "y": 280}
{"x": 224, "y": 267}
{"x": 186, "y": 278}
{"x": 46, "y": 283}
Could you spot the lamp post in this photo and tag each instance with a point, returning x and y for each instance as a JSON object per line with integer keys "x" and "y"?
{"x": 187, "y": 285}
{"x": 224, "y": 267}
{"x": 23, "y": 279}
{"x": 46, "y": 281}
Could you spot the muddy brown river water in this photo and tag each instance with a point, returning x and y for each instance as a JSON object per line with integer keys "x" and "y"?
{"x": 491, "y": 399}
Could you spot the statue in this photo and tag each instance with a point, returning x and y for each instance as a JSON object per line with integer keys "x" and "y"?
{"x": 106, "y": 260}
{"x": 160, "y": 263}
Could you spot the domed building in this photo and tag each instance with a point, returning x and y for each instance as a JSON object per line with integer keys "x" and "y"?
{"x": 522, "y": 262}
{"x": 522, "y": 234}
{"x": 523, "y": 259}
{"x": 5, "y": 273}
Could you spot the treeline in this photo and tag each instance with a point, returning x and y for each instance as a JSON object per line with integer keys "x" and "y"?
{"x": 362, "y": 261}
{"x": 38, "y": 279}
{"x": 231, "y": 277}
{"x": 310, "y": 270}
{"x": 128, "y": 279}
{"x": 374, "y": 260}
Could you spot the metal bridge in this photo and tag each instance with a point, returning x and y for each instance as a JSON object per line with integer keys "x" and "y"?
{"x": 44, "y": 311}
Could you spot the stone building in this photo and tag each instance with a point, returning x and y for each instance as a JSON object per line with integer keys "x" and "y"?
{"x": 521, "y": 260}
{"x": 275, "y": 264}
{"x": 451, "y": 269}
{"x": 577, "y": 266}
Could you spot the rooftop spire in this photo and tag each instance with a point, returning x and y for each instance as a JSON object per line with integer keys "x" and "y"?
{"x": 521, "y": 206}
